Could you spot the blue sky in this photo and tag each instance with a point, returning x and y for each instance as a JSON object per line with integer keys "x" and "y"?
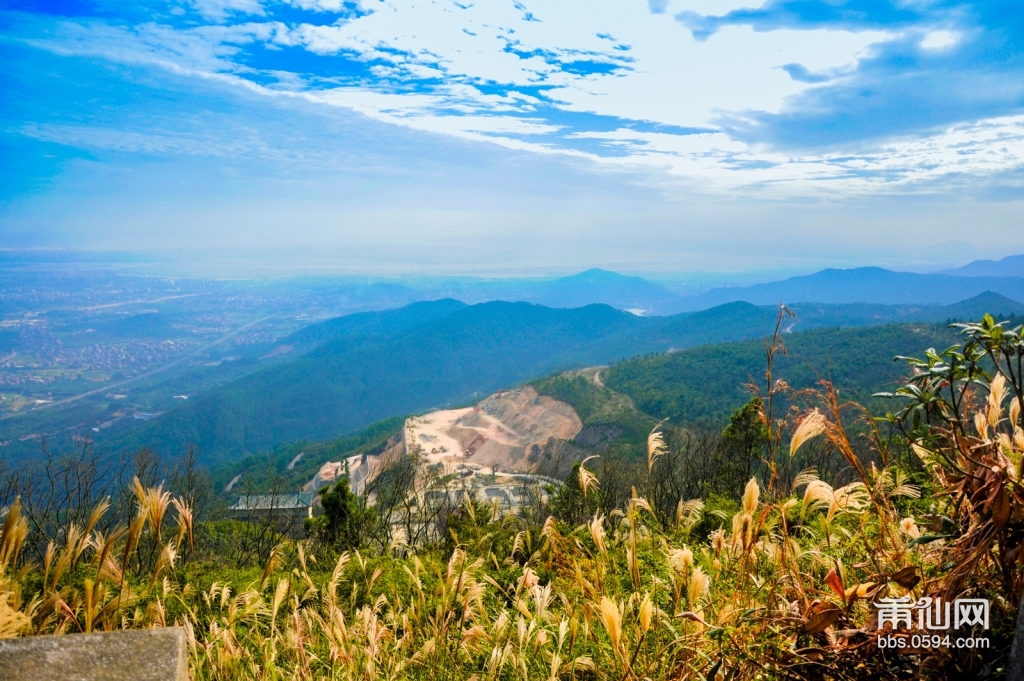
{"x": 639, "y": 134}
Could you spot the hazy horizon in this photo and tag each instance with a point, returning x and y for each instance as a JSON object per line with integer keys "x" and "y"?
{"x": 279, "y": 263}
{"x": 661, "y": 136}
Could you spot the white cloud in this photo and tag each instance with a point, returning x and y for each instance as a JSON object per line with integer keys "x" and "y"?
{"x": 218, "y": 10}
{"x": 663, "y": 76}
{"x": 505, "y": 73}
{"x": 710, "y": 7}
{"x": 939, "y": 40}
{"x": 319, "y": 5}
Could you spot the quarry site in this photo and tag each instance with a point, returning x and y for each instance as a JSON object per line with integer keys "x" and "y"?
{"x": 508, "y": 440}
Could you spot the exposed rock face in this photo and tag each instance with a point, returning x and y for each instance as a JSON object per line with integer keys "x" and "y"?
{"x": 508, "y": 429}
{"x": 361, "y": 468}
{"x": 515, "y": 431}
{"x": 327, "y": 474}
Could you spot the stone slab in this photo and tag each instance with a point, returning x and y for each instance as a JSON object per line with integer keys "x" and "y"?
{"x": 135, "y": 655}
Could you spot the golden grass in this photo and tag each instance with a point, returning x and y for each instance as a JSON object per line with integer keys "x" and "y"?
{"x": 782, "y": 591}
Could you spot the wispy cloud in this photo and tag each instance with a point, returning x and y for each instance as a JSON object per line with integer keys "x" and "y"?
{"x": 792, "y": 96}
{"x": 219, "y": 10}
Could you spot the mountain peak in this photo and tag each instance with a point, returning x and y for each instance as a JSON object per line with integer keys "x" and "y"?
{"x": 597, "y": 274}
{"x": 597, "y": 285}
{"x": 988, "y": 302}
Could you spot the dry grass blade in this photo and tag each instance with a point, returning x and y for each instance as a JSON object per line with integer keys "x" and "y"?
{"x": 611, "y": 617}
{"x": 853, "y": 498}
{"x": 165, "y": 561}
{"x": 997, "y": 392}
{"x": 12, "y": 621}
{"x": 185, "y": 521}
{"x": 751, "y": 496}
{"x": 13, "y": 535}
{"x": 273, "y": 563}
{"x": 97, "y": 514}
{"x": 681, "y": 560}
{"x": 153, "y": 503}
{"x": 811, "y": 426}
{"x": 596, "y": 528}
{"x": 587, "y": 479}
{"x": 696, "y": 587}
{"x": 655, "y": 446}
{"x": 645, "y": 613}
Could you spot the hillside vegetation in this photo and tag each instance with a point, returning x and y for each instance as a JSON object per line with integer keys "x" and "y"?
{"x": 618, "y": 573}
{"x": 619, "y": 405}
{"x": 270, "y": 470}
{"x": 425, "y": 356}
{"x": 612, "y": 425}
{"x": 706, "y": 384}
{"x": 345, "y": 384}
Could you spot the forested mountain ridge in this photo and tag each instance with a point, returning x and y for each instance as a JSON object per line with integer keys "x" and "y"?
{"x": 366, "y": 325}
{"x": 701, "y": 386}
{"x": 441, "y": 354}
{"x": 705, "y": 384}
{"x": 342, "y": 386}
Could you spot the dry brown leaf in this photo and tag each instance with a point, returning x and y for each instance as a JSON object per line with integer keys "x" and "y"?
{"x": 1000, "y": 508}
{"x": 834, "y": 581}
{"x": 906, "y": 577}
{"x": 692, "y": 616}
{"x": 859, "y": 591}
{"x": 822, "y": 620}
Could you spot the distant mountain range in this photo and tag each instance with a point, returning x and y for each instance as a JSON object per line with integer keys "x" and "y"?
{"x": 1010, "y": 266}
{"x": 371, "y": 366}
{"x": 349, "y": 382}
{"x": 863, "y": 285}
{"x": 601, "y": 286}
{"x": 594, "y": 286}
{"x": 866, "y": 285}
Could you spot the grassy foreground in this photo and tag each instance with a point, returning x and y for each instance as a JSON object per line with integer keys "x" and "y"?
{"x": 777, "y": 584}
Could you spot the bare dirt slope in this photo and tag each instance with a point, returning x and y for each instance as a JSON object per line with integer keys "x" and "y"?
{"x": 510, "y": 433}
{"x": 362, "y": 467}
{"x": 507, "y": 431}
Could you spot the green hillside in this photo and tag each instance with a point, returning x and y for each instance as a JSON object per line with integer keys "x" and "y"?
{"x": 708, "y": 383}
{"x": 343, "y": 386}
{"x": 429, "y": 355}
{"x": 365, "y": 325}
{"x": 271, "y": 470}
{"x": 620, "y": 404}
{"x": 432, "y": 355}
{"x": 609, "y": 418}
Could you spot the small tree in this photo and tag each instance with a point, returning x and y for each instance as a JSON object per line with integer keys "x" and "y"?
{"x": 571, "y": 503}
{"x": 742, "y": 447}
{"x": 344, "y": 519}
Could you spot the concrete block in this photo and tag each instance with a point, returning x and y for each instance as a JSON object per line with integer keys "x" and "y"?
{"x": 131, "y": 655}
